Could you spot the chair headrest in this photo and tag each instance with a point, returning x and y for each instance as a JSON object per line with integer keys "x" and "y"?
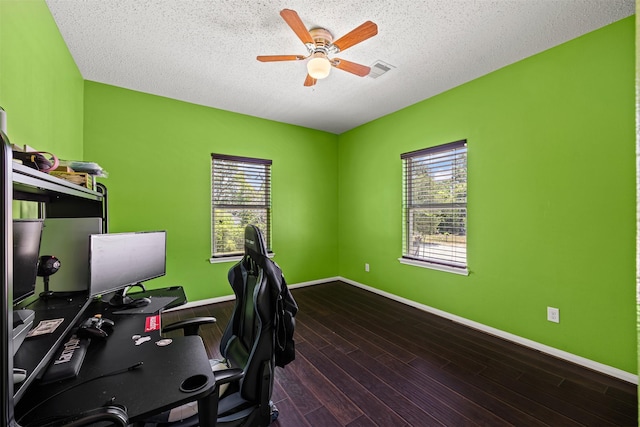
{"x": 253, "y": 241}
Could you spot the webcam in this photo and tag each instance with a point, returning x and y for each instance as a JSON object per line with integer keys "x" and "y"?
{"x": 47, "y": 265}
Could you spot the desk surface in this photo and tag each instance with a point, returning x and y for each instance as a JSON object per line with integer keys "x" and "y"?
{"x": 150, "y": 389}
{"x": 35, "y": 352}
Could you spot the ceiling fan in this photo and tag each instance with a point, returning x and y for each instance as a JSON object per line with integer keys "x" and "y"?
{"x": 320, "y": 44}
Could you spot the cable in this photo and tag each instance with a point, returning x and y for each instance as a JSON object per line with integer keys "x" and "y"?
{"x": 108, "y": 374}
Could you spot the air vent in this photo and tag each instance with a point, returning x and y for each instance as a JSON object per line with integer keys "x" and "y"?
{"x": 379, "y": 68}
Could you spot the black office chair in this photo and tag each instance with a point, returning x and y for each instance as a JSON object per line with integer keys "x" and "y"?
{"x": 105, "y": 416}
{"x": 258, "y": 338}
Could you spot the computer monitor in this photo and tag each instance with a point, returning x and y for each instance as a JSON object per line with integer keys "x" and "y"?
{"x": 27, "y": 234}
{"x": 119, "y": 260}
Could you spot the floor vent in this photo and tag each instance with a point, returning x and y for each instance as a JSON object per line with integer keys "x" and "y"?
{"x": 379, "y": 68}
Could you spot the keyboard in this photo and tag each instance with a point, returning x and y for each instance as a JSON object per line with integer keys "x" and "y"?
{"x": 68, "y": 360}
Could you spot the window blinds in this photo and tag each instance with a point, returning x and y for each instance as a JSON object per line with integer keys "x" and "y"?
{"x": 241, "y": 195}
{"x": 435, "y": 204}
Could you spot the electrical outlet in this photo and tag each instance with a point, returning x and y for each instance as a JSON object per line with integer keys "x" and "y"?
{"x": 366, "y": 268}
{"x": 553, "y": 314}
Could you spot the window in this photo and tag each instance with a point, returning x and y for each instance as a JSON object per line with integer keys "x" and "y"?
{"x": 434, "y": 207}
{"x": 240, "y": 195}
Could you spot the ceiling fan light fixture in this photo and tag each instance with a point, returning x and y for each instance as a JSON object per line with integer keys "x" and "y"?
{"x": 318, "y": 66}
{"x": 319, "y": 44}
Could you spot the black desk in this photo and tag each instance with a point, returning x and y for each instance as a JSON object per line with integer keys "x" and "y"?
{"x": 35, "y": 353}
{"x": 150, "y": 389}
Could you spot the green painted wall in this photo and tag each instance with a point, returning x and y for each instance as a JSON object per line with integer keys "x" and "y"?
{"x": 551, "y": 198}
{"x": 551, "y": 181}
{"x": 157, "y": 152}
{"x": 638, "y": 182}
{"x": 41, "y": 88}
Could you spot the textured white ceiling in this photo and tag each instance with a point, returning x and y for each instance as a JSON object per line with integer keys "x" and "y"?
{"x": 204, "y": 51}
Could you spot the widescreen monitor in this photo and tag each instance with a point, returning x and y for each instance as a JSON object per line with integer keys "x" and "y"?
{"x": 118, "y": 260}
{"x": 27, "y": 234}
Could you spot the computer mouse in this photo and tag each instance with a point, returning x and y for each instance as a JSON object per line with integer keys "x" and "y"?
{"x": 140, "y": 302}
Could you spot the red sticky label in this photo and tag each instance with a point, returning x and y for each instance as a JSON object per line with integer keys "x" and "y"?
{"x": 152, "y": 323}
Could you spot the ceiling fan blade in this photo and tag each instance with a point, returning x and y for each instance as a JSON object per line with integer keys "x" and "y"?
{"x": 357, "y": 35}
{"x": 291, "y": 17}
{"x": 351, "y": 67}
{"x": 271, "y": 58}
{"x": 309, "y": 81}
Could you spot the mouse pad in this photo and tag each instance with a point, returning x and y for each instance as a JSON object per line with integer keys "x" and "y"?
{"x": 156, "y": 304}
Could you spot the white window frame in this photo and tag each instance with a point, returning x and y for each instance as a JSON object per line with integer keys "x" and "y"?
{"x": 229, "y": 174}
{"x": 434, "y": 197}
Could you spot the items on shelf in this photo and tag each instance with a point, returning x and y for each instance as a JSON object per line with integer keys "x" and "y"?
{"x": 37, "y": 160}
{"x": 80, "y": 178}
{"x": 91, "y": 168}
{"x": 76, "y": 171}
{"x": 80, "y": 173}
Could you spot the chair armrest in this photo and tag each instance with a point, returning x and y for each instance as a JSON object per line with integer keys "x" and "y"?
{"x": 225, "y": 376}
{"x": 189, "y": 326}
{"x": 116, "y": 415}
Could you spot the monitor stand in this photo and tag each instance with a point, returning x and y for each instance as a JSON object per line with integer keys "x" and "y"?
{"x": 120, "y": 298}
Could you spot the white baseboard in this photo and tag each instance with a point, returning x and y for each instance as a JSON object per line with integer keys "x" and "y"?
{"x": 579, "y": 360}
{"x": 199, "y": 303}
{"x": 231, "y": 297}
{"x": 316, "y": 282}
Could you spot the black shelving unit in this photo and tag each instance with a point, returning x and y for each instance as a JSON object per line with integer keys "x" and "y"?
{"x": 58, "y": 199}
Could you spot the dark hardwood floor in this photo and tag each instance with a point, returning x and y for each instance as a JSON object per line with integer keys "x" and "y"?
{"x": 364, "y": 360}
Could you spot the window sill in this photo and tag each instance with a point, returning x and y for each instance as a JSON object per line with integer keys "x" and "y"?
{"x": 434, "y": 266}
{"x": 236, "y": 258}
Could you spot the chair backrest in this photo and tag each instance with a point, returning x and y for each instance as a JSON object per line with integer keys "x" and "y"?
{"x": 248, "y": 340}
